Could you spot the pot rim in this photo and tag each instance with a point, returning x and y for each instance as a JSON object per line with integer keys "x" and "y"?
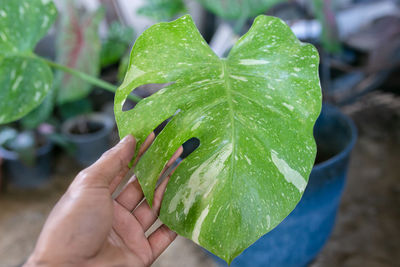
{"x": 12, "y": 155}
{"x": 346, "y": 151}
{"x": 102, "y": 118}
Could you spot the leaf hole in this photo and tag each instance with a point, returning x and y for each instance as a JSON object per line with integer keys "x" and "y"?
{"x": 144, "y": 91}
{"x": 150, "y": 88}
{"x": 128, "y": 105}
{"x": 162, "y": 125}
{"x": 189, "y": 147}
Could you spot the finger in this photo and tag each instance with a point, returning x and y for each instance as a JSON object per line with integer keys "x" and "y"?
{"x": 146, "y": 144}
{"x": 133, "y": 194}
{"x": 129, "y": 230}
{"x": 171, "y": 161}
{"x": 113, "y": 164}
{"x": 160, "y": 239}
{"x": 146, "y": 215}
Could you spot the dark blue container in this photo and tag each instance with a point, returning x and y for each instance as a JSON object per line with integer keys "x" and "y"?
{"x": 87, "y": 148}
{"x": 21, "y": 175}
{"x": 299, "y": 238}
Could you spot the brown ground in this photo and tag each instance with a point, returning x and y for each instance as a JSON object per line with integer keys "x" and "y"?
{"x": 367, "y": 232}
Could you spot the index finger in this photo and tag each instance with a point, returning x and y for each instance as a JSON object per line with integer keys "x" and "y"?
{"x": 113, "y": 164}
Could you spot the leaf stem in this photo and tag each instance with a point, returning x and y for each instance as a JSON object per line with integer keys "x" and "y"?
{"x": 90, "y": 79}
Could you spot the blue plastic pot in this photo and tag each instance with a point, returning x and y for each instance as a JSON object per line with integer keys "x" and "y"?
{"x": 299, "y": 238}
{"x": 21, "y": 175}
{"x": 89, "y": 147}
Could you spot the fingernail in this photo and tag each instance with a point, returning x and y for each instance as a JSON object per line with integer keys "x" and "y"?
{"x": 126, "y": 139}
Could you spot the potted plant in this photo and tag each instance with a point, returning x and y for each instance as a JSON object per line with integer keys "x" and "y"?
{"x": 89, "y": 134}
{"x": 27, "y": 156}
{"x": 79, "y": 47}
{"x": 252, "y": 112}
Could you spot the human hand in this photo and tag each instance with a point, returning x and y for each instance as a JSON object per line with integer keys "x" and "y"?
{"x": 87, "y": 227}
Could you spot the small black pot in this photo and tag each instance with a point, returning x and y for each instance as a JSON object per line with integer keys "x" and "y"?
{"x": 89, "y": 147}
{"x": 23, "y": 176}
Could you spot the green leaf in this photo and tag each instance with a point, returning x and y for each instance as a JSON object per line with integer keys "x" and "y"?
{"x": 253, "y": 113}
{"x": 116, "y": 45}
{"x": 78, "y": 47}
{"x": 43, "y": 112}
{"x": 162, "y": 10}
{"x": 236, "y": 9}
{"x": 24, "y": 79}
{"x": 75, "y": 108}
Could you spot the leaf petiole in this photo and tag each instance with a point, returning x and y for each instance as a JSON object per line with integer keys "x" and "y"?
{"x": 90, "y": 79}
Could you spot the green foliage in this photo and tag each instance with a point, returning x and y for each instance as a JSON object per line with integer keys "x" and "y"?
{"x": 118, "y": 41}
{"x": 162, "y": 10}
{"x": 237, "y": 9}
{"x": 78, "y": 47}
{"x": 324, "y": 12}
{"x": 75, "y": 108}
{"x": 43, "y": 112}
{"x": 253, "y": 113}
{"x": 24, "y": 79}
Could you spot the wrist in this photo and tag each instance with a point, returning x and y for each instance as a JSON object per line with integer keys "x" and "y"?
{"x": 36, "y": 260}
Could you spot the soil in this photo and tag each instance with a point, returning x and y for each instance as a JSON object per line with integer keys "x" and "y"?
{"x": 367, "y": 231}
{"x": 322, "y": 155}
{"x": 86, "y": 127}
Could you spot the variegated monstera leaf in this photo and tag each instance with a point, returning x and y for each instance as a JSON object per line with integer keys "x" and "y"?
{"x": 253, "y": 113}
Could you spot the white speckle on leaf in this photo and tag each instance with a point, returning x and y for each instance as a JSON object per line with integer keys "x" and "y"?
{"x": 240, "y": 78}
{"x": 290, "y": 175}
{"x": 16, "y": 83}
{"x": 21, "y": 10}
{"x": 202, "y": 81}
{"x": 196, "y": 125}
{"x": 3, "y": 36}
{"x": 247, "y": 159}
{"x": 253, "y": 62}
{"x": 202, "y": 180}
{"x": 268, "y": 221}
{"x": 290, "y": 107}
{"x": 133, "y": 73}
{"x": 216, "y": 215}
{"x": 3, "y": 13}
{"x": 37, "y": 96}
{"x": 45, "y": 2}
{"x": 13, "y": 72}
{"x": 45, "y": 21}
{"x": 215, "y": 140}
{"x": 297, "y": 69}
{"x": 199, "y": 223}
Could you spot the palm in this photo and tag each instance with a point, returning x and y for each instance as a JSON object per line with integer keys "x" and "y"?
{"x": 99, "y": 230}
